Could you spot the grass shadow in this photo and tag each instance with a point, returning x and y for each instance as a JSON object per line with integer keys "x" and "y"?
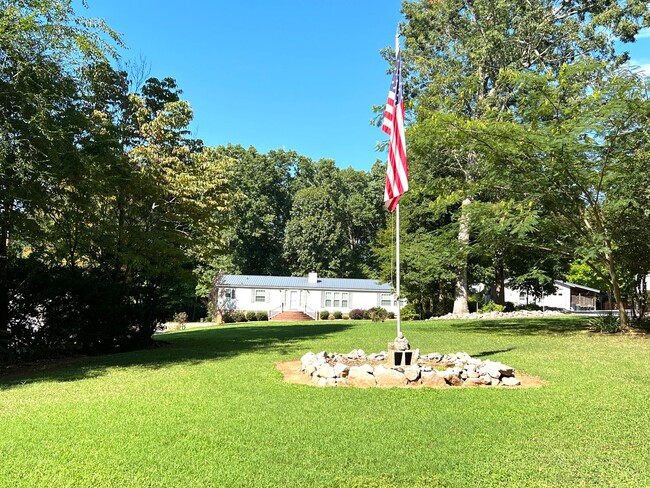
{"x": 188, "y": 347}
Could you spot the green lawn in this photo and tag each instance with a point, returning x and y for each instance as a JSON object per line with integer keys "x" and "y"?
{"x": 210, "y": 409}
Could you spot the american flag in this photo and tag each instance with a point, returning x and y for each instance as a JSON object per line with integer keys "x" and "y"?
{"x": 397, "y": 172}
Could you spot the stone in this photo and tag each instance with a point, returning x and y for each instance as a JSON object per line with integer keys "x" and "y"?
{"x": 503, "y": 369}
{"x": 360, "y": 371}
{"x": 310, "y": 369}
{"x": 452, "y": 376}
{"x": 307, "y": 359}
{"x": 401, "y": 343}
{"x": 341, "y": 370}
{"x": 331, "y": 382}
{"x": 432, "y": 378}
{"x": 325, "y": 371}
{"x": 510, "y": 381}
{"x": 386, "y": 377}
{"x": 473, "y": 381}
{"x": 495, "y": 382}
{"x": 322, "y": 382}
{"x": 416, "y": 356}
{"x": 472, "y": 374}
{"x": 322, "y": 355}
{"x": 490, "y": 371}
{"x": 412, "y": 373}
{"x": 361, "y": 379}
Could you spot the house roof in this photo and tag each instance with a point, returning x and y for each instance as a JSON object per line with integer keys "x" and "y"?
{"x": 302, "y": 283}
{"x": 573, "y": 285}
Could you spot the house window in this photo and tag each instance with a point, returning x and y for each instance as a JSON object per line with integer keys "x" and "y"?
{"x": 260, "y": 296}
{"x": 345, "y": 299}
{"x": 328, "y": 298}
{"x": 229, "y": 293}
{"x": 337, "y": 300}
{"x": 385, "y": 300}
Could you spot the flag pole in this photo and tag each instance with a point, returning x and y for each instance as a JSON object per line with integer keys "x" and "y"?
{"x": 397, "y": 272}
{"x": 397, "y": 266}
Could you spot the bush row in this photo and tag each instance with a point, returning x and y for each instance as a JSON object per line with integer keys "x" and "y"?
{"x": 245, "y": 316}
{"x": 376, "y": 314}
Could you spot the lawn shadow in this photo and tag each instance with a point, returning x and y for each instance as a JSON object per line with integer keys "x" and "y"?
{"x": 527, "y": 326}
{"x": 188, "y": 347}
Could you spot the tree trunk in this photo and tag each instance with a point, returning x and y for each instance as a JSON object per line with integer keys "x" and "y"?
{"x": 499, "y": 280}
{"x": 4, "y": 268}
{"x": 616, "y": 289}
{"x": 461, "y": 289}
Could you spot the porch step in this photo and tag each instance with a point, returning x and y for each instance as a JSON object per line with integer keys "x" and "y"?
{"x": 292, "y": 317}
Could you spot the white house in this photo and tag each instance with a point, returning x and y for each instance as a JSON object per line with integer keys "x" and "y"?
{"x": 308, "y": 295}
{"x": 567, "y": 296}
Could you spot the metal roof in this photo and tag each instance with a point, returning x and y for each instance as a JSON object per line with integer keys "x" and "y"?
{"x": 301, "y": 282}
{"x": 573, "y": 285}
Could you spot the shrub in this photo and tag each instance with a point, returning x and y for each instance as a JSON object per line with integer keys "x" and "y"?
{"x": 227, "y": 318}
{"x": 492, "y": 307}
{"x": 180, "y": 319}
{"x": 239, "y": 316}
{"x": 391, "y": 315}
{"x": 408, "y": 312}
{"x": 357, "y": 314}
{"x": 377, "y": 314}
{"x": 510, "y": 307}
{"x": 338, "y": 315}
{"x": 324, "y": 314}
{"x": 262, "y": 315}
{"x": 605, "y": 323}
{"x": 251, "y": 316}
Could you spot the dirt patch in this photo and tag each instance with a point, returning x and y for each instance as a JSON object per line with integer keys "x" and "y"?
{"x": 292, "y": 374}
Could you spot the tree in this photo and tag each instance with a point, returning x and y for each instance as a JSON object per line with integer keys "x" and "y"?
{"x": 314, "y": 239}
{"x": 40, "y": 45}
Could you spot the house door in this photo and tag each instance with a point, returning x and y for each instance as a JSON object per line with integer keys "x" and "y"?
{"x": 294, "y": 300}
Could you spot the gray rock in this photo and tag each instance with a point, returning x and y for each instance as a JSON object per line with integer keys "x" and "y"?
{"x": 504, "y": 369}
{"x": 341, "y": 370}
{"x": 361, "y": 379}
{"x": 310, "y": 369}
{"x": 432, "y": 378}
{"x": 325, "y": 371}
{"x": 412, "y": 373}
{"x": 387, "y": 377}
{"x": 360, "y": 371}
{"x": 307, "y": 359}
{"x": 510, "y": 381}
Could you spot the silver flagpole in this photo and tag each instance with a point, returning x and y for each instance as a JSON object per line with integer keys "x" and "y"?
{"x": 397, "y": 271}
{"x": 399, "y": 305}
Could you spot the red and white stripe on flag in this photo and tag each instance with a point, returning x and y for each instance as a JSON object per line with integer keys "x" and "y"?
{"x": 393, "y": 125}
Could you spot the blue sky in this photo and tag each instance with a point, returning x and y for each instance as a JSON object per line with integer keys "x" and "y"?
{"x": 292, "y": 74}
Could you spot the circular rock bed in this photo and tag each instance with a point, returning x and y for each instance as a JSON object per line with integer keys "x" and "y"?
{"x": 428, "y": 370}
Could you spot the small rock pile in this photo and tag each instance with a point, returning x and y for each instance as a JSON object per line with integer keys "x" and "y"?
{"x": 358, "y": 369}
{"x": 498, "y": 315}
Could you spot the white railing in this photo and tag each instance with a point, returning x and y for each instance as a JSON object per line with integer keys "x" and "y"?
{"x": 276, "y": 311}
{"x": 311, "y": 312}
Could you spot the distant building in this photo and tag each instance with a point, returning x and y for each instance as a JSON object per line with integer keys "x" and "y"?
{"x": 567, "y": 296}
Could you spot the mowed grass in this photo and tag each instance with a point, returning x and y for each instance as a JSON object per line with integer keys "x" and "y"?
{"x": 210, "y": 409}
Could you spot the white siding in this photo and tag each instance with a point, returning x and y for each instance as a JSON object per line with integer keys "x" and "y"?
{"x": 560, "y": 299}
{"x": 313, "y": 299}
